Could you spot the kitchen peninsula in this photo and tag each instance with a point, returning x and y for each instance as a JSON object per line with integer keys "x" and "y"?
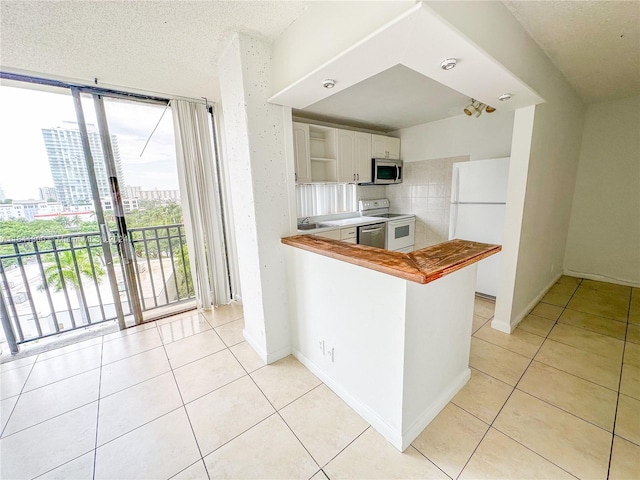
{"x": 389, "y": 332}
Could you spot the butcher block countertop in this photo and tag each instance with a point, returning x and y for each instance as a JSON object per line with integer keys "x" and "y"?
{"x": 420, "y": 266}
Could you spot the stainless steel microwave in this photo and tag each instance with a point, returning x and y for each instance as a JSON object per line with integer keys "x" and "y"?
{"x": 386, "y": 171}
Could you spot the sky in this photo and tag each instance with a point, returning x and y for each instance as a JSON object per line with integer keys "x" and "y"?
{"x": 23, "y": 159}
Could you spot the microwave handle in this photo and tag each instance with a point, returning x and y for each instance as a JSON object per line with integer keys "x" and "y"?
{"x": 397, "y": 173}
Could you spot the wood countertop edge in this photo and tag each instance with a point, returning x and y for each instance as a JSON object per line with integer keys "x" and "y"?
{"x": 401, "y": 265}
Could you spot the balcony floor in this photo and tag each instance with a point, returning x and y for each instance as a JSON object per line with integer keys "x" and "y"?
{"x": 186, "y": 397}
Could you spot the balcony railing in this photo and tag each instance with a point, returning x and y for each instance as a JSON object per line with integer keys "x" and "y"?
{"x": 59, "y": 283}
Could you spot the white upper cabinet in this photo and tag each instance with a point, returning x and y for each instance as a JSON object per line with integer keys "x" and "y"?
{"x": 354, "y": 156}
{"x": 385, "y": 147}
{"x": 363, "y": 157}
{"x": 327, "y": 154}
{"x": 346, "y": 156}
{"x": 301, "y": 152}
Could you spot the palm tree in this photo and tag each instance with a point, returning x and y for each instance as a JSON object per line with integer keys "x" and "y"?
{"x": 62, "y": 220}
{"x": 67, "y": 270}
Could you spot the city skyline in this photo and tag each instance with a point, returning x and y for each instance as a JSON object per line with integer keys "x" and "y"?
{"x": 24, "y": 166}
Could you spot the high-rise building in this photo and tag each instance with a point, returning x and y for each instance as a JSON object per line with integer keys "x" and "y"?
{"x": 161, "y": 195}
{"x": 68, "y": 166}
{"x": 48, "y": 193}
{"x": 2, "y": 194}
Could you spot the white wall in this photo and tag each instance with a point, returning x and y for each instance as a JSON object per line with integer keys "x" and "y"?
{"x": 325, "y": 30}
{"x": 258, "y": 158}
{"x": 488, "y": 136}
{"x": 416, "y": 347}
{"x": 604, "y": 234}
{"x": 430, "y": 149}
{"x": 552, "y": 163}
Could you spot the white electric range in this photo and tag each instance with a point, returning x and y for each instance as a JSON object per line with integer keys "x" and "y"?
{"x": 400, "y": 227}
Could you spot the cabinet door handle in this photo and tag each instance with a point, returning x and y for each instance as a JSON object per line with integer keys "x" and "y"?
{"x": 354, "y": 177}
{"x": 358, "y": 175}
{"x": 296, "y": 176}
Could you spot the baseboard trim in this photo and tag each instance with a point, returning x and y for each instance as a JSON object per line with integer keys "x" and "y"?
{"x": 392, "y": 435}
{"x": 526, "y": 310}
{"x": 255, "y": 345}
{"x": 266, "y": 357}
{"x": 416, "y": 428}
{"x": 602, "y": 278}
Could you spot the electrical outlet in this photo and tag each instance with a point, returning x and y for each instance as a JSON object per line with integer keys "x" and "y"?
{"x": 330, "y": 353}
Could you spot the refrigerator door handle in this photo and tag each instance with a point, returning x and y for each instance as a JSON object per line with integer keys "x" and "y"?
{"x": 454, "y": 221}
{"x": 456, "y": 185}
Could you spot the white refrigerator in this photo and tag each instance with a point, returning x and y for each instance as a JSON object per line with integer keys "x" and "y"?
{"x": 478, "y": 203}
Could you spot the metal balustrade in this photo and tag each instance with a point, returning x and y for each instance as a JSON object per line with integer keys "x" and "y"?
{"x": 54, "y": 284}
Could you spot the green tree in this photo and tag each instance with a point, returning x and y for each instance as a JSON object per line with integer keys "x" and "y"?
{"x": 67, "y": 271}
{"x": 183, "y": 274}
{"x": 62, "y": 221}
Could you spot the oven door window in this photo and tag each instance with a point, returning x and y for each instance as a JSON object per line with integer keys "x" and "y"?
{"x": 401, "y": 232}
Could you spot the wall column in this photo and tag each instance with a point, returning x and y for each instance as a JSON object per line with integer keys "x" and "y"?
{"x": 258, "y": 151}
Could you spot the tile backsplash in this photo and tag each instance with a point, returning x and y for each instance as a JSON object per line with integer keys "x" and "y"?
{"x": 371, "y": 192}
{"x": 426, "y": 192}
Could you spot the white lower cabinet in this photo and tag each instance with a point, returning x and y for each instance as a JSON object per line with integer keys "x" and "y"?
{"x": 347, "y": 235}
{"x": 332, "y": 234}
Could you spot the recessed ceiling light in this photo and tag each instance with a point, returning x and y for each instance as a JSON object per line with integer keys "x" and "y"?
{"x": 504, "y": 97}
{"x": 448, "y": 63}
{"x": 328, "y": 83}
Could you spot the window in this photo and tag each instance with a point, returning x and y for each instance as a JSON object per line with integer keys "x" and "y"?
{"x": 325, "y": 198}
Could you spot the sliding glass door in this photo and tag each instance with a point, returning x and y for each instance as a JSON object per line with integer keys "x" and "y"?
{"x": 56, "y": 266}
{"x": 150, "y": 196}
{"x": 90, "y": 218}
{"x": 137, "y": 184}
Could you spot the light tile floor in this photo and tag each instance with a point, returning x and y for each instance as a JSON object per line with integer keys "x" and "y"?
{"x": 186, "y": 397}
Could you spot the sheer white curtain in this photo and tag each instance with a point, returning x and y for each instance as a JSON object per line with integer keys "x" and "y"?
{"x": 200, "y": 203}
{"x": 325, "y": 198}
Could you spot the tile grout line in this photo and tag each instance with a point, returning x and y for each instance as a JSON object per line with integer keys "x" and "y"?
{"x": 516, "y": 388}
{"x": 19, "y": 395}
{"x": 507, "y": 400}
{"x": 615, "y": 416}
{"x": 277, "y": 412}
{"x": 95, "y": 445}
{"x": 184, "y": 406}
{"x": 485, "y": 433}
{"x": 101, "y": 343}
{"x": 432, "y": 462}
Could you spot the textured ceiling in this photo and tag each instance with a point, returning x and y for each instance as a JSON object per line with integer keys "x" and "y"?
{"x": 171, "y": 47}
{"x": 595, "y": 44}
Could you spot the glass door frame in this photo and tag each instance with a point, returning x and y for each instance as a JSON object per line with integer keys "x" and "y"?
{"x": 107, "y": 238}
